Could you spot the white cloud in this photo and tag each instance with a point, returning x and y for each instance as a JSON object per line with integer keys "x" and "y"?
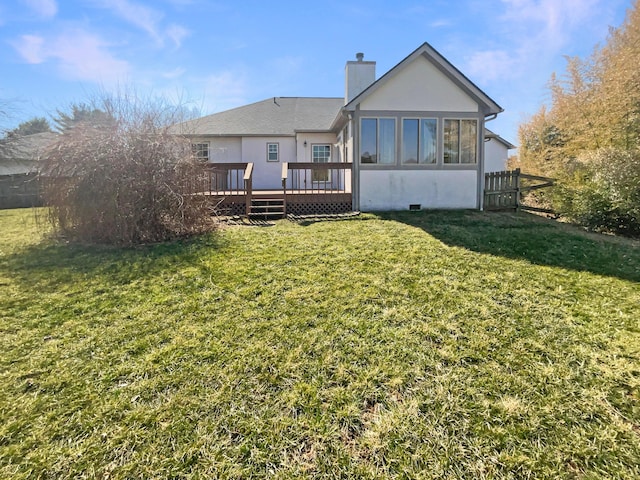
{"x": 175, "y": 73}
{"x": 79, "y": 55}
{"x": 30, "y": 47}
{"x": 548, "y": 23}
{"x": 440, "y": 23}
{"x": 224, "y": 90}
{"x": 532, "y": 35}
{"x": 43, "y": 8}
{"x": 488, "y": 65}
{"x": 145, "y": 18}
{"x": 177, "y": 33}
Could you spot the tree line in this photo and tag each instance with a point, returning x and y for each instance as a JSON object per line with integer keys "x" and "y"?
{"x": 588, "y": 137}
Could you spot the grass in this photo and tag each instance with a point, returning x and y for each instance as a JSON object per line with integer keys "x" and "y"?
{"x": 402, "y": 345}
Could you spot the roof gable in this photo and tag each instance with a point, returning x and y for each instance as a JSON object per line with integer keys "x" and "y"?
{"x": 427, "y": 52}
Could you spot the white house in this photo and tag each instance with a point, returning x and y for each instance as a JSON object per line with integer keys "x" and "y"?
{"x": 496, "y": 152}
{"x": 412, "y": 138}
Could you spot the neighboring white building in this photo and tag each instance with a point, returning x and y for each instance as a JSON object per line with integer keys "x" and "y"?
{"x": 414, "y": 136}
{"x": 496, "y": 152}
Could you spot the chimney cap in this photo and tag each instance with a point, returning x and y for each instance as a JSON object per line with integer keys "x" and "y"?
{"x": 360, "y": 56}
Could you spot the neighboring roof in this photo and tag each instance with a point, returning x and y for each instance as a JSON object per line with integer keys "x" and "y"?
{"x": 17, "y": 167}
{"x": 489, "y": 134}
{"x": 282, "y": 116}
{"x": 25, "y": 152}
{"x": 427, "y": 51}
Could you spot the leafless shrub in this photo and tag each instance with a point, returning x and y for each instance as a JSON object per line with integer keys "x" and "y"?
{"x": 121, "y": 178}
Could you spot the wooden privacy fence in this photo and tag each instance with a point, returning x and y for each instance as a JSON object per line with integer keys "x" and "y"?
{"x": 20, "y": 190}
{"x": 503, "y": 190}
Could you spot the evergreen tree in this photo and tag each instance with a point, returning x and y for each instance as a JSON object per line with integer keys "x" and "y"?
{"x": 30, "y": 127}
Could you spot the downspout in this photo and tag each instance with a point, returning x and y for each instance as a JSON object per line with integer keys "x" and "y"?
{"x": 354, "y": 120}
{"x": 487, "y": 118}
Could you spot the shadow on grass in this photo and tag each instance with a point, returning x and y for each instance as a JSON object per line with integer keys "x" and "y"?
{"x": 529, "y": 237}
{"x": 50, "y": 264}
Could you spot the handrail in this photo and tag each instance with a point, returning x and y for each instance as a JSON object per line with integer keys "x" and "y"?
{"x": 248, "y": 172}
{"x": 226, "y": 166}
{"x": 317, "y": 166}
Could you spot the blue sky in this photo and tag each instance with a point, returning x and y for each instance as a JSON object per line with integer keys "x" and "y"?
{"x": 217, "y": 55}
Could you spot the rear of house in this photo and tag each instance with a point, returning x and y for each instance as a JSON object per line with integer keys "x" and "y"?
{"x": 413, "y": 138}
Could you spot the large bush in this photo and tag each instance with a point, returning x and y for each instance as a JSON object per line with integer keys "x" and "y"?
{"x": 601, "y": 190}
{"x": 123, "y": 179}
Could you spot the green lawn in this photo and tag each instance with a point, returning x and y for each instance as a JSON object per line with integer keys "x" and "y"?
{"x": 409, "y": 345}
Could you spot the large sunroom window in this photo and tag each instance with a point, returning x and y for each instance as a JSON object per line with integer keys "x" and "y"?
{"x": 419, "y": 140}
{"x": 378, "y": 140}
{"x": 460, "y": 141}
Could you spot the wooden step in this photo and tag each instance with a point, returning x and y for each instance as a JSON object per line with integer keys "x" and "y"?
{"x": 267, "y": 207}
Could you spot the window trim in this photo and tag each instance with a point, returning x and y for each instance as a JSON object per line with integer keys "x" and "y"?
{"x": 314, "y": 173}
{"x": 277, "y": 152}
{"x": 195, "y": 148}
{"x": 322, "y": 145}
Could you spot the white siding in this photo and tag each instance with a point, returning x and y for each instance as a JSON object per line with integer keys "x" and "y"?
{"x": 397, "y": 189}
{"x": 420, "y": 86}
{"x": 304, "y": 153}
{"x": 267, "y": 175}
{"x": 225, "y": 150}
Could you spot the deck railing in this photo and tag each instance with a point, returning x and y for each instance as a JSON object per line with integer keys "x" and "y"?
{"x": 316, "y": 187}
{"x": 320, "y": 178}
{"x": 230, "y": 179}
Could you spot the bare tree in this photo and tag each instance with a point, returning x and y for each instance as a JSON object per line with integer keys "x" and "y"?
{"x": 124, "y": 179}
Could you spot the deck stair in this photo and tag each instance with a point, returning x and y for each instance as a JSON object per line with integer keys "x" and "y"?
{"x": 267, "y": 207}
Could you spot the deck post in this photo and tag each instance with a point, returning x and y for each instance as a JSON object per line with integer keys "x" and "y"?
{"x": 248, "y": 187}
{"x": 285, "y": 174}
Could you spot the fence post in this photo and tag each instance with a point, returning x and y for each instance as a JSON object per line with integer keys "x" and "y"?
{"x": 517, "y": 173}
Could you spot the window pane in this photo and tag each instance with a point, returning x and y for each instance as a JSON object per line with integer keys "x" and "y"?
{"x": 387, "y": 140}
{"x": 451, "y": 139}
{"x": 321, "y": 153}
{"x": 409, "y": 140}
{"x": 201, "y": 150}
{"x": 468, "y": 141}
{"x": 272, "y": 152}
{"x": 428, "y": 141}
{"x": 369, "y": 140}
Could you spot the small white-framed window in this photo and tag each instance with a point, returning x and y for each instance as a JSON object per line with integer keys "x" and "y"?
{"x": 273, "y": 152}
{"x": 201, "y": 151}
{"x": 320, "y": 153}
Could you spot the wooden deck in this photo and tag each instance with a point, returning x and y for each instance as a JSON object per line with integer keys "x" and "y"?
{"x": 307, "y": 189}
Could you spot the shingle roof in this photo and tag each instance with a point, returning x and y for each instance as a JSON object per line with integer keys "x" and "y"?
{"x": 24, "y": 153}
{"x": 489, "y": 134}
{"x": 273, "y": 116}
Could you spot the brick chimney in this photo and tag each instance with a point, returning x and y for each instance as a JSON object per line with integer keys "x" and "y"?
{"x": 358, "y": 76}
